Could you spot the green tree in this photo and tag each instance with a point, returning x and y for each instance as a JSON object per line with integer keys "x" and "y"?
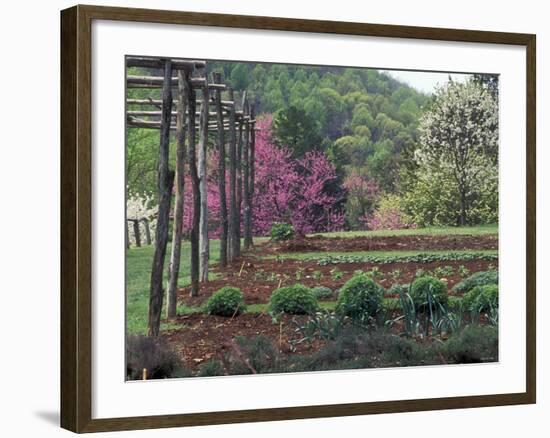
{"x": 295, "y": 129}
{"x": 457, "y": 154}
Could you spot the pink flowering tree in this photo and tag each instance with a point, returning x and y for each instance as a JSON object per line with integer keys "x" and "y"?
{"x": 302, "y": 192}
{"x": 294, "y": 191}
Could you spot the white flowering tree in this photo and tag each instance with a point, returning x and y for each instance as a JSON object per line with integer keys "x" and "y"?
{"x": 456, "y": 178}
{"x": 139, "y": 207}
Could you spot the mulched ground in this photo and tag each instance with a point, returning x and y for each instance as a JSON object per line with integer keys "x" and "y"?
{"x": 388, "y": 243}
{"x": 256, "y": 284}
{"x": 205, "y": 337}
{"x": 202, "y": 337}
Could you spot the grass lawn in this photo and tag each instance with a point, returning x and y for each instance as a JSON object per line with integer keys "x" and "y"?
{"x": 434, "y": 231}
{"x": 138, "y": 277}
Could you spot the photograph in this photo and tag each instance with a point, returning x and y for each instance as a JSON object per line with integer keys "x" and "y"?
{"x": 287, "y": 218}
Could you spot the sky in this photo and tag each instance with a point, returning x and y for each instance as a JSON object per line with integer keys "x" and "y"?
{"x": 424, "y": 81}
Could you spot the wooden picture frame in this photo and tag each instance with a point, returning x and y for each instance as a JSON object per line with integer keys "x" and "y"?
{"x": 76, "y": 217}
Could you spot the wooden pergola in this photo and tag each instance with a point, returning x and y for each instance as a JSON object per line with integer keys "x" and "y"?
{"x": 231, "y": 128}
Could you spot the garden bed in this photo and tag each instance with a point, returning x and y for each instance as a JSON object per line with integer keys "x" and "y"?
{"x": 259, "y": 277}
{"x": 386, "y": 243}
{"x": 205, "y": 337}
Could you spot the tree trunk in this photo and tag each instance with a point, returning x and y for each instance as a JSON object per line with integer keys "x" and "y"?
{"x": 191, "y": 135}
{"x": 203, "y": 228}
{"x": 156, "y": 292}
{"x": 137, "y": 233}
{"x": 252, "y": 157}
{"x": 234, "y": 246}
{"x": 463, "y": 208}
{"x": 147, "y": 230}
{"x": 246, "y": 182}
{"x": 239, "y": 165}
{"x": 174, "y": 266}
{"x": 221, "y": 172}
{"x": 127, "y": 235}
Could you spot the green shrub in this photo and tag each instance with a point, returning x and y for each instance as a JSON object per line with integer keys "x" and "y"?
{"x": 211, "y": 368}
{"x": 227, "y": 301}
{"x": 478, "y": 279}
{"x": 481, "y": 299}
{"x": 398, "y": 289}
{"x": 322, "y": 292}
{"x": 455, "y": 303}
{"x": 297, "y": 299}
{"x": 360, "y": 298}
{"x": 153, "y": 354}
{"x": 258, "y": 352}
{"x": 281, "y": 231}
{"x": 425, "y": 287}
{"x": 473, "y": 344}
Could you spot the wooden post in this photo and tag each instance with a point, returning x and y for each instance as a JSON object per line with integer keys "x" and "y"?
{"x": 252, "y": 172}
{"x": 234, "y": 247}
{"x": 191, "y": 135}
{"x": 126, "y": 234}
{"x": 147, "y": 230}
{"x": 246, "y": 180}
{"x": 217, "y": 78}
{"x": 137, "y": 234}
{"x": 239, "y": 166}
{"x": 204, "y": 250}
{"x": 174, "y": 265}
{"x": 164, "y": 195}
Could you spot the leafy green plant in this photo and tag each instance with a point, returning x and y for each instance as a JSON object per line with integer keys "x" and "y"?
{"x": 228, "y": 301}
{"x": 478, "y": 279}
{"x": 411, "y": 324}
{"x": 482, "y": 300}
{"x": 360, "y": 298}
{"x": 396, "y": 274}
{"x": 416, "y": 258}
{"x": 322, "y": 325}
{"x": 297, "y": 299}
{"x": 281, "y": 231}
{"x": 426, "y": 289}
{"x": 299, "y": 273}
{"x": 443, "y": 271}
{"x": 374, "y": 273}
{"x": 463, "y": 271}
{"x": 322, "y": 292}
{"x": 336, "y": 274}
{"x": 259, "y": 274}
{"x": 317, "y": 275}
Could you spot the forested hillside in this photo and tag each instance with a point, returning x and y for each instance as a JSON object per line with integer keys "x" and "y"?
{"x": 368, "y": 125}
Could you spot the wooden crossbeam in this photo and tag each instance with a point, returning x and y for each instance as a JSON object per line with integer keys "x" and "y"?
{"x": 150, "y": 62}
{"x": 151, "y": 124}
{"x": 158, "y": 113}
{"x": 157, "y": 82}
{"x": 156, "y": 102}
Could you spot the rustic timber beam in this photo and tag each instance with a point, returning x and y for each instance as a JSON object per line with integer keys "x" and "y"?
{"x": 134, "y": 121}
{"x": 156, "y": 102}
{"x": 158, "y": 113}
{"x": 177, "y": 64}
{"x": 157, "y": 81}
